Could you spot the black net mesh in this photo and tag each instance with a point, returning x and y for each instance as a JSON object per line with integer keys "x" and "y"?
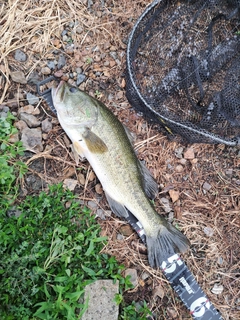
{"x": 183, "y": 68}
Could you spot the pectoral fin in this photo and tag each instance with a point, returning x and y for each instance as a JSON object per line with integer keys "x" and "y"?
{"x": 116, "y": 207}
{"x": 93, "y": 142}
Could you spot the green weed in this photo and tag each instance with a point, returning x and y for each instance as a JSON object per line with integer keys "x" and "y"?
{"x": 10, "y": 167}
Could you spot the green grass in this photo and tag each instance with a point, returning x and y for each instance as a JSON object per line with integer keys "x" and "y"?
{"x": 51, "y": 250}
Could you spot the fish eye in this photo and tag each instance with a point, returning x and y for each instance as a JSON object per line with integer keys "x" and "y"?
{"x": 73, "y": 89}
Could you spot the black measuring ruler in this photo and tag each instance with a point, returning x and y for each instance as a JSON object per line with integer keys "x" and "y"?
{"x": 182, "y": 281}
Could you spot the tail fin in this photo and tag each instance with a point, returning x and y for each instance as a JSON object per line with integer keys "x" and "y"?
{"x": 168, "y": 242}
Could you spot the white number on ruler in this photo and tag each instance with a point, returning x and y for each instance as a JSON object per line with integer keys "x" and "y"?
{"x": 199, "y": 304}
{"x": 173, "y": 260}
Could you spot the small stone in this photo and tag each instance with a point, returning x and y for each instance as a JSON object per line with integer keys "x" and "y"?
{"x": 51, "y": 64}
{"x": 189, "y": 154}
{"x": 98, "y": 188}
{"x": 158, "y": 292}
{"x": 58, "y": 73}
{"x": 100, "y": 214}
{"x": 99, "y": 296}
{"x": 20, "y": 125}
{"x": 208, "y": 231}
{"x": 32, "y": 99}
{"x": 27, "y": 109}
{"x": 70, "y": 184}
{"x": 19, "y": 77}
{"x": 179, "y": 168}
{"x": 217, "y": 289}
{"x": 46, "y": 70}
{"x": 145, "y": 275}
{"x": 32, "y": 139}
{"x": 194, "y": 161}
{"x": 80, "y": 78}
{"x": 133, "y": 276}
{"x": 120, "y": 237}
{"x": 81, "y": 179}
{"x": 92, "y": 205}
{"x": 126, "y": 230}
{"x": 174, "y": 195}
{"x": 206, "y": 186}
{"x": 20, "y": 55}
{"x": 79, "y": 70}
{"x": 61, "y": 61}
{"x": 14, "y": 212}
{"x": 183, "y": 161}
{"x": 30, "y": 119}
{"x": 91, "y": 176}
{"x": 46, "y": 125}
{"x": 229, "y": 172}
{"x": 172, "y": 313}
{"x": 166, "y": 204}
{"x": 179, "y": 152}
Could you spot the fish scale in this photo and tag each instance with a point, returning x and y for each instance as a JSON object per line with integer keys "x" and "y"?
{"x": 173, "y": 267}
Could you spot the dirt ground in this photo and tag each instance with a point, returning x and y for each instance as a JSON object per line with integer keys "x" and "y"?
{"x": 200, "y": 181}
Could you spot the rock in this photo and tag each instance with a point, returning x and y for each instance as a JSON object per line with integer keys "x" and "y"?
{"x": 172, "y": 313}
{"x": 229, "y": 172}
{"x": 158, "y": 292}
{"x": 208, "y": 231}
{"x": 32, "y": 139}
{"x": 20, "y": 55}
{"x": 80, "y": 78}
{"x": 14, "y": 212}
{"x": 174, "y": 195}
{"x": 217, "y": 289}
{"x": 20, "y": 125}
{"x": 133, "y": 276}
{"x": 51, "y": 64}
{"x": 81, "y": 179}
{"x": 183, "y": 161}
{"x": 120, "y": 237}
{"x": 98, "y": 188}
{"x": 91, "y": 176}
{"x": 30, "y": 119}
{"x": 145, "y": 275}
{"x": 19, "y": 77}
{"x": 46, "y": 71}
{"x": 166, "y": 204}
{"x": 27, "y": 109}
{"x": 189, "y": 154}
{"x": 4, "y": 111}
{"x": 92, "y": 204}
{"x": 179, "y": 168}
{"x": 61, "y": 61}
{"x": 206, "y": 186}
{"x": 46, "y": 125}
{"x": 70, "y": 184}
{"x": 100, "y": 214}
{"x": 58, "y": 74}
{"x": 100, "y": 298}
{"x": 32, "y": 99}
{"x": 126, "y": 230}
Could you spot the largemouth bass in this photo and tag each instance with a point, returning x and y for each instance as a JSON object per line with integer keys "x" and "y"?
{"x": 98, "y": 136}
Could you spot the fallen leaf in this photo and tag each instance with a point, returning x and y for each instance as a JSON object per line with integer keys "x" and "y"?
{"x": 174, "y": 195}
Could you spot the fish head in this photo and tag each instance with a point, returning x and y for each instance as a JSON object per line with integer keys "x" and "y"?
{"x": 74, "y": 106}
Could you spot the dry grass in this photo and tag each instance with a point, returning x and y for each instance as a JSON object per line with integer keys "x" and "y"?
{"x": 35, "y": 27}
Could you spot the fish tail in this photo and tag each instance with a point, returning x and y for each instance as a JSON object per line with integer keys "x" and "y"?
{"x": 168, "y": 241}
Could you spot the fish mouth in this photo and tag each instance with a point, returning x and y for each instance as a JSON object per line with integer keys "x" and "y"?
{"x": 57, "y": 90}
